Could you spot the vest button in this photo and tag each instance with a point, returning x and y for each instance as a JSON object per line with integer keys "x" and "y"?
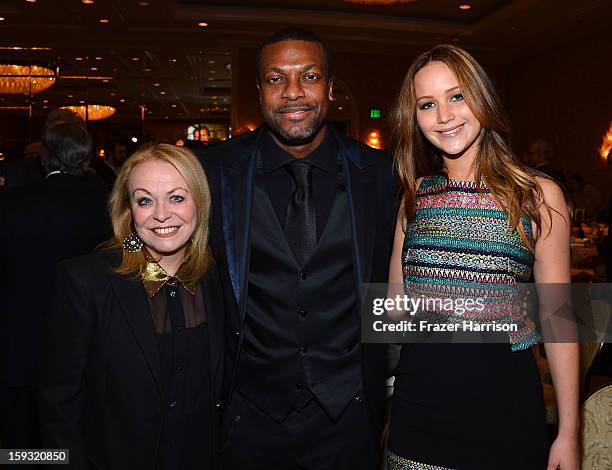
{"x": 302, "y": 276}
{"x": 302, "y": 312}
{"x": 303, "y": 349}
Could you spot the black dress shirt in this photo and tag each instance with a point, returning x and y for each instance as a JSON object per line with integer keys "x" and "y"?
{"x": 182, "y": 340}
{"x": 280, "y": 185}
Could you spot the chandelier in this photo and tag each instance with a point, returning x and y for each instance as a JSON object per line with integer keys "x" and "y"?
{"x": 25, "y": 79}
{"x": 380, "y": 2}
{"x": 92, "y": 112}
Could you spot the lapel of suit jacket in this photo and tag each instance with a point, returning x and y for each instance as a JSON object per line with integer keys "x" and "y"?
{"x": 363, "y": 214}
{"x": 133, "y": 300}
{"x": 237, "y": 177}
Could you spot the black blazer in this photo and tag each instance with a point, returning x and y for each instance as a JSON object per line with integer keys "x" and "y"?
{"x": 40, "y": 225}
{"x": 100, "y": 393}
{"x": 230, "y": 169}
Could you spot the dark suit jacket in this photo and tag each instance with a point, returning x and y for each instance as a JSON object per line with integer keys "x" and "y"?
{"x": 41, "y": 224}
{"x": 230, "y": 169}
{"x": 100, "y": 392}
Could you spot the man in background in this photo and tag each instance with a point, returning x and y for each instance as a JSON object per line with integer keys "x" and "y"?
{"x": 106, "y": 168}
{"x": 41, "y": 224}
{"x": 542, "y": 153}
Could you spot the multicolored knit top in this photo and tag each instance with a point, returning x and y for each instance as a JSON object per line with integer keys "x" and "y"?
{"x": 460, "y": 237}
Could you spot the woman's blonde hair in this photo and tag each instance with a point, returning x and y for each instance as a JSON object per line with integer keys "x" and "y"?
{"x": 512, "y": 184}
{"x": 197, "y": 256}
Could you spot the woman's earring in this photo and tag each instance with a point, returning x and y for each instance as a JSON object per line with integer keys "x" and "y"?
{"x": 132, "y": 243}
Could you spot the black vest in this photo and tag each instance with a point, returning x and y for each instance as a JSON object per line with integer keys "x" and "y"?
{"x": 301, "y": 334}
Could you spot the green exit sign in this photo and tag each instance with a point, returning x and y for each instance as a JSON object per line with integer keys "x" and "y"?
{"x": 375, "y": 113}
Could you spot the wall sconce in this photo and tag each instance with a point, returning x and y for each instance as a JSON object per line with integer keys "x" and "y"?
{"x": 606, "y": 145}
{"x": 374, "y": 139}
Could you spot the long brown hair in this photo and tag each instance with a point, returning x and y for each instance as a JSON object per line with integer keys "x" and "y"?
{"x": 197, "y": 256}
{"x": 512, "y": 184}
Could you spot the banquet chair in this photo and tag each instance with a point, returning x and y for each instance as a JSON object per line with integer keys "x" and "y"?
{"x": 602, "y": 313}
{"x": 596, "y": 430}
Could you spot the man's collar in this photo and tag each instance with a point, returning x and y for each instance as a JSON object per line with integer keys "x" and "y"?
{"x": 274, "y": 157}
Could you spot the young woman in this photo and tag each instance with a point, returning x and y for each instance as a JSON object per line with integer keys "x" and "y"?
{"x": 472, "y": 213}
{"x": 132, "y": 368}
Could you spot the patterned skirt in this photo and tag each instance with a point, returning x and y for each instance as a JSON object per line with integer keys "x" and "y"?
{"x": 395, "y": 462}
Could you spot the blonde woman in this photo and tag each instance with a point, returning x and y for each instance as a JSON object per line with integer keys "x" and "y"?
{"x": 132, "y": 367}
{"x": 473, "y": 214}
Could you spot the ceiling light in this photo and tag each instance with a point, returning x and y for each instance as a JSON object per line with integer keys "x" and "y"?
{"x": 174, "y": 106}
{"x": 86, "y": 77}
{"x": 156, "y": 84}
{"x": 98, "y": 58}
{"x": 31, "y": 1}
{"x": 203, "y": 24}
{"x": 2, "y": 18}
{"x": 211, "y": 61}
{"x": 78, "y": 58}
{"x": 465, "y": 6}
{"x": 379, "y": 2}
{"x": 162, "y": 92}
{"x": 147, "y": 69}
{"x": 93, "y": 68}
{"x": 135, "y": 139}
{"x": 135, "y": 59}
{"x": 122, "y": 100}
{"x": 103, "y": 20}
{"x": 92, "y": 112}
{"x": 87, "y": 2}
{"x": 143, "y": 4}
{"x": 25, "y": 79}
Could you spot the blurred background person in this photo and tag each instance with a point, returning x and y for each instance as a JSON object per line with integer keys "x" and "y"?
{"x": 542, "y": 155}
{"x": 41, "y": 224}
{"x": 131, "y": 374}
{"x": 584, "y": 196}
{"x": 24, "y": 170}
{"x": 115, "y": 153}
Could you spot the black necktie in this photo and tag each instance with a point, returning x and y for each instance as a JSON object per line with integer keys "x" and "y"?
{"x": 301, "y": 219}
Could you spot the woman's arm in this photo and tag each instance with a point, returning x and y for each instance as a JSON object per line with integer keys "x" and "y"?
{"x": 552, "y": 265}
{"x": 67, "y": 339}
